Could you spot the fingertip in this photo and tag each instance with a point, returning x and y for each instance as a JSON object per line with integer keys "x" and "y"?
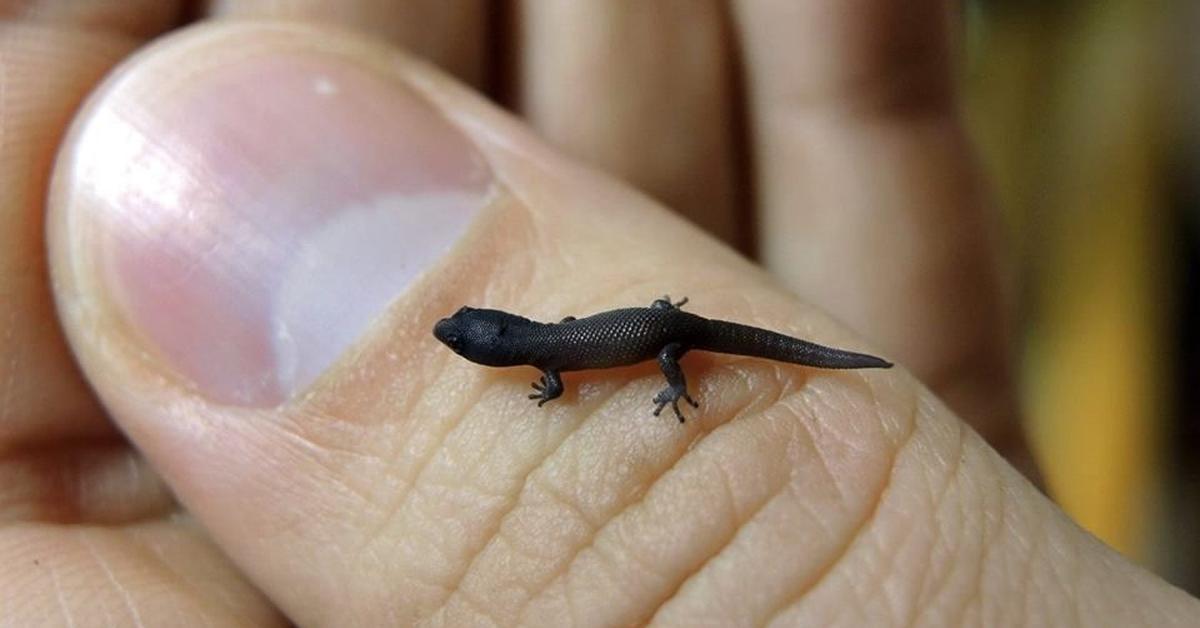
{"x": 248, "y": 211}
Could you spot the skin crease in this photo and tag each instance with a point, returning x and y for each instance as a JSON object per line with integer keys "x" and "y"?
{"x": 408, "y": 485}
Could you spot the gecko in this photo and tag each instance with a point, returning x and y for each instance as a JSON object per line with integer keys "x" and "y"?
{"x": 622, "y": 337}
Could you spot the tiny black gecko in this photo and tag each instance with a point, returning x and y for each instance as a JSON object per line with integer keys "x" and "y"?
{"x": 622, "y": 337}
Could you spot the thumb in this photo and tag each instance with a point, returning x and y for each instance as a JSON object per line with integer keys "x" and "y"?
{"x": 253, "y": 232}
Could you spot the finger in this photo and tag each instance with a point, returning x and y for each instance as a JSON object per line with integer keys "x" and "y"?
{"x": 655, "y": 113}
{"x": 290, "y": 390}
{"x": 83, "y": 534}
{"x": 46, "y": 72}
{"x": 865, "y": 174}
{"x": 137, "y": 18}
{"x": 156, "y": 573}
{"x": 450, "y": 33}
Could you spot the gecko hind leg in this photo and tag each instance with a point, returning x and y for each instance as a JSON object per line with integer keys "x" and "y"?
{"x": 668, "y": 361}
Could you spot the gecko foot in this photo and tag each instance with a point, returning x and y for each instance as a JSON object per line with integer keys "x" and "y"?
{"x": 665, "y": 303}
{"x": 540, "y": 395}
{"x": 672, "y": 395}
{"x": 547, "y": 389}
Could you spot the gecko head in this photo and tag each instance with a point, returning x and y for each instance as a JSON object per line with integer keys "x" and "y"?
{"x": 480, "y": 336}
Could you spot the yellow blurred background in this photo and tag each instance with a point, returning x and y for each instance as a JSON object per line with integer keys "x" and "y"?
{"x": 1081, "y": 111}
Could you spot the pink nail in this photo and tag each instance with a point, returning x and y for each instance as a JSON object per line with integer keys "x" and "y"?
{"x": 260, "y": 215}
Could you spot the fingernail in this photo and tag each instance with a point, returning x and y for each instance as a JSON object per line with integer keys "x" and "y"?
{"x": 256, "y": 217}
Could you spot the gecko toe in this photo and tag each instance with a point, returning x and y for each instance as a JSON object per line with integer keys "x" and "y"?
{"x": 673, "y": 395}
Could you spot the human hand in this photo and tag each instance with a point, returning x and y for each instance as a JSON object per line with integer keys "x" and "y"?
{"x": 252, "y": 231}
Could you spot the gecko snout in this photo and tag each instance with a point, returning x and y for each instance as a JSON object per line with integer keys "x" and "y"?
{"x": 447, "y": 332}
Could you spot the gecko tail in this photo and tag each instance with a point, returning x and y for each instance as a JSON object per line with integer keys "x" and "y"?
{"x": 735, "y": 338}
{"x": 830, "y": 358}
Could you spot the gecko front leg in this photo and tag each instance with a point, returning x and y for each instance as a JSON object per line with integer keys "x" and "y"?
{"x": 548, "y": 389}
{"x": 668, "y": 361}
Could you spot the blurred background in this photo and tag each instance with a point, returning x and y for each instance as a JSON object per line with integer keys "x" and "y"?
{"x": 1088, "y": 118}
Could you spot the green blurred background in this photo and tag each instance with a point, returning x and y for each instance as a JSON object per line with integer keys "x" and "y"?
{"x": 1088, "y": 118}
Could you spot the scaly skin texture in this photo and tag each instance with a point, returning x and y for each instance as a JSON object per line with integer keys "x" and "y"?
{"x": 622, "y": 337}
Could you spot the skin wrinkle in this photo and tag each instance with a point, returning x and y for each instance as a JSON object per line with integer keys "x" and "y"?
{"x": 695, "y": 441}
{"x": 521, "y": 489}
{"x": 981, "y": 556}
{"x": 993, "y": 525}
{"x": 820, "y": 575}
{"x": 972, "y": 602}
{"x": 737, "y": 529}
{"x": 590, "y": 415}
{"x": 292, "y": 426}
{"x": 300, "y": 447}
{"x": 952, "y": 481}
{"x": 561, "y": 500}
{"x": 1067, "y": 587}
{"x": 562, "y": 573}
{"x": 515, "y": 584}
{"x": 855, "y": 605}
{"x": 1026, "y": 543}
{"x": 907, "y": 89}
{"x": 320, "y": 410}
{"x": 928, "y": 587}
{"x": 1027, "y": 573}
{"x": 863, "y": 106}
{"x": 112, "y": 579}
{"x": 305, "y": 448}
{"x": 1064, "y": 581}
{"x": 1078, "y": 600}
{"x": 153, "y": 552}
{"x": 392, "y": 510}
{"x": 572, "y": 611}
{"x": 892, "y": 611}
{"x": 426, "y": 580}
{"x": 59, "y": 598}
{"x": 824, "y": 460}
{"x": 935, "y": 500}
{"x": 472, "y": 605}
{"x": 804, "y": 395}
{"x": 396, "y": 455}
{"x": 613, "y": 554}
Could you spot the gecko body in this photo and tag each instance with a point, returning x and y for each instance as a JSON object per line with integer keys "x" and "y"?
{"x": 662, "y": 332}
